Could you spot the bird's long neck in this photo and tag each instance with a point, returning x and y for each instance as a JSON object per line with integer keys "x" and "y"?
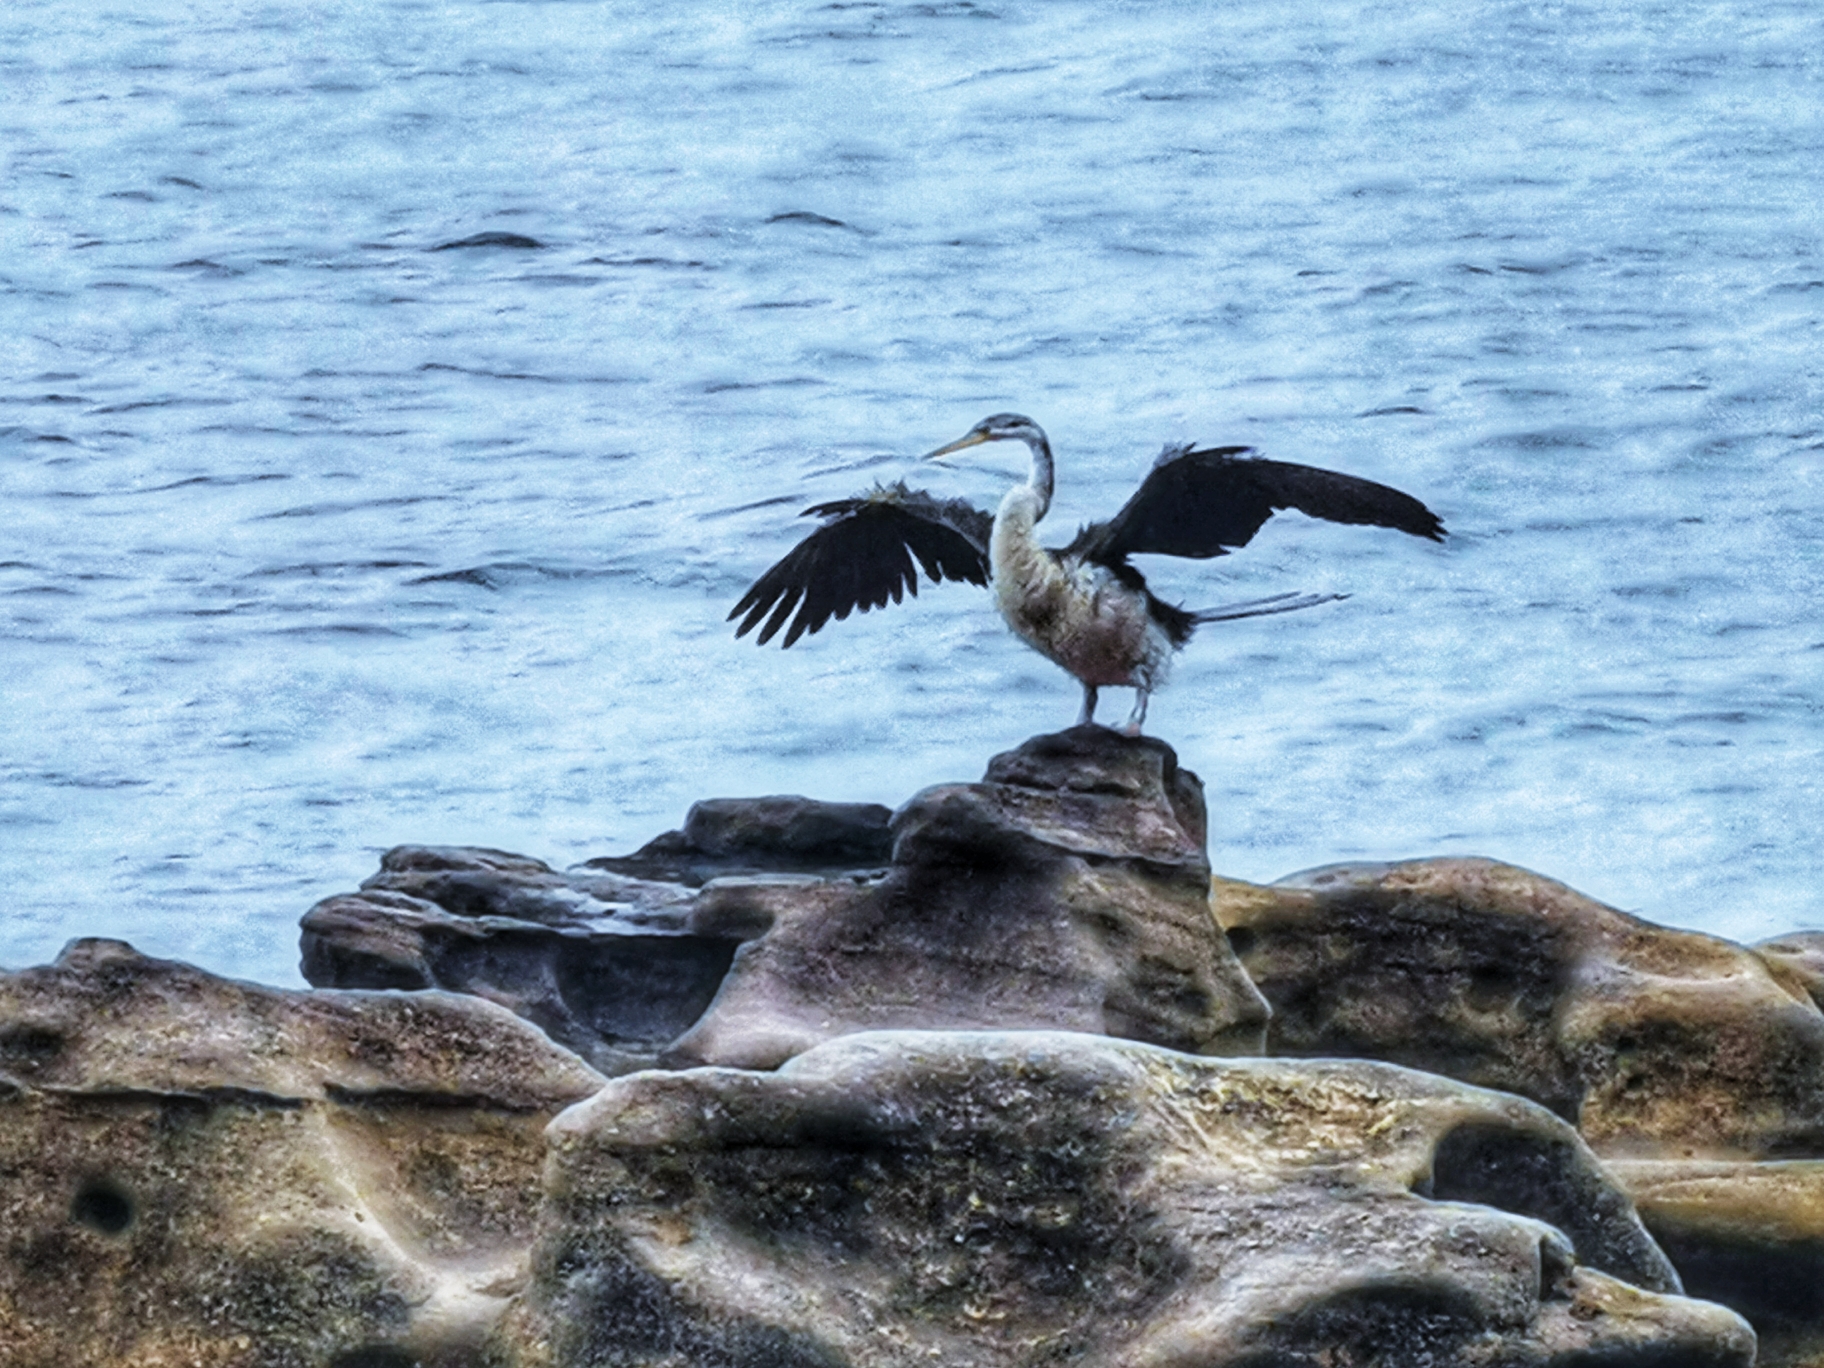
{"x": 1039, "y": 478}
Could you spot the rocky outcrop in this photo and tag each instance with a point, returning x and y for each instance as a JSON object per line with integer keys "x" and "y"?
{"x": 601, "y": 957}
{"x": 1750, "y": 1236}
{"x": 978, "y": 1199}
{"x": 1656, "y": 1043}
{"x": 602, "y": 961}
{"x": 1067, "y": 890}
{"x": 199, "y": 1171}
{"x": 1682, "y": 1058}
{"x": 990, "y": 1139}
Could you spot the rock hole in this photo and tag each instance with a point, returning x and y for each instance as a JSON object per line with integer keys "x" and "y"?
{"x": 28, "y": 1047}
{"x": 1192, "y": 1002}
{"x": 641, "y": 991}
{"x": 102, "y": 1205}
{"x": 1546, "y": 1177}
{"x": 1491, "y": 987}
{"x": 374, "y": 1356}
{"x": 1241, "y": 939}
{"x": 1376, "y": 1326}
{"x": 1111, "y": 925}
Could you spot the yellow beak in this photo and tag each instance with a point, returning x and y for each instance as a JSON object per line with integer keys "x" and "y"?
{"x": 973, "y": 439}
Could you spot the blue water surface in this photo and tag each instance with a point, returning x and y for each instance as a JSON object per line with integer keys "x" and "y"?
{"x": 318, "y": 539}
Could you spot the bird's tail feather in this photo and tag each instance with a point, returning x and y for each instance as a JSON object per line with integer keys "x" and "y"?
{"x": 1277, "y": 603}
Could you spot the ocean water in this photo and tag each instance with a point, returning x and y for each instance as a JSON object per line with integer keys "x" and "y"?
{"x": 317, "y": 539}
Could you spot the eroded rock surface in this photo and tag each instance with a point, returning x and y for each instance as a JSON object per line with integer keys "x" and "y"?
{"x": 200, "y": 1171}
{"x": 1657, "y": 1043}
{"x": 975, "y": 1199}
{"x": 1748, "y": 1235}
{"x": 602, "y": 961}
{"x": 1069, "y": 890}
{"x": 1801, "y": 955}
{"x": 732, "y": 837}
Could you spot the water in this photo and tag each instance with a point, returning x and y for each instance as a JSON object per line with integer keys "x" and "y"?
{"x": 1554, "y": 268}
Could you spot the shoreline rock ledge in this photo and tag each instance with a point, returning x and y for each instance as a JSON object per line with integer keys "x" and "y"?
{"x": 195, "y": 1170}
{"x": 892, "y": 1199}
{"x": 1068, "y": 889}
{"x": 976, "y": 1081}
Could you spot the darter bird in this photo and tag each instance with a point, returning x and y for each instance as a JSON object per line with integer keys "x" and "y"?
{"x": 1084, "y": 607}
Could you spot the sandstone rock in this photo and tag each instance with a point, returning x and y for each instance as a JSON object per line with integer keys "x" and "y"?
{"x": 724, "y": 837}
{"x": 200, "y": 1171}
{"x": 1067, "y": 890}
{"x": 602, "y": 961}
{"x": 1799, "y": 954}
{"x": 1749, "y": 1235}
{"x": 1655, "y": 1042}
{"x": 977, "y": 1199}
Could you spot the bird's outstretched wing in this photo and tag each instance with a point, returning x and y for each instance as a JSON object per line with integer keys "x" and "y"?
{"x": 862, "y": 557}
{"x": 1203, "y": 503}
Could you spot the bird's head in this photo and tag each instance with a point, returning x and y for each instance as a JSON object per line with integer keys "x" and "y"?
{"x": 1001, "y": 427}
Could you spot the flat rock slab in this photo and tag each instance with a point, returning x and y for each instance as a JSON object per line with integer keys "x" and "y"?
{"x": 783, "y": 834}
{"x": 1657, "y": 1043}
{"x": 1749, "y": 1235}
{"x": 199, "y": 1171}
{"x": 1067, "y": 890}
{"x": 1015, "y": 1198}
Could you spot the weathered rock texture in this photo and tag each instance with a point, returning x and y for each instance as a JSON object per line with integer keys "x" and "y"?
{"x": 602, "y": 961}
{"x": 1033, "y": 1197}
{"x": 1068, "y": 890}
{"x": 199, "y": 1171}
{"x": 602, "y": 956}
{"x": 1799, "y": 954}
{"x": 729, "y": 837}
{"x": 1657, "y": 1043}
{"x": 1748, "y": 1235}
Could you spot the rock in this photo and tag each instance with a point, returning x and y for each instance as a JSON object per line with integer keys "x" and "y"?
{"x": 1657, "y": 1043}
{"x": 1068, "y": 890}
{"x": 603, "y": 962}
{"x": 1799, "y": 954}
{"x": 200, "y": 1171}
{"x": 494, "y": 239}
{"x": 725, "y": 837}
{"x": 1025, "y": 1198}
{"x": 1749, "y": 1235}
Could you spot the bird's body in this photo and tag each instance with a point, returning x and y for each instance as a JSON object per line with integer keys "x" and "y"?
{"x": 1083, "y": 606}
{"x": 1075, "y": 613}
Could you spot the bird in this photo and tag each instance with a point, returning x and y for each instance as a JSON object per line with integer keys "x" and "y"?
{"x": 1083, "y": 606}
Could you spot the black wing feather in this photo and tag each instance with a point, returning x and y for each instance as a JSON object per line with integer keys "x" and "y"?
{"x": 1205, "y": 503}
{"x": 862, "y": 558}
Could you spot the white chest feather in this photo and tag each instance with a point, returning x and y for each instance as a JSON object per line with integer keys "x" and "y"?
{"x": 1077, "y": 615}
